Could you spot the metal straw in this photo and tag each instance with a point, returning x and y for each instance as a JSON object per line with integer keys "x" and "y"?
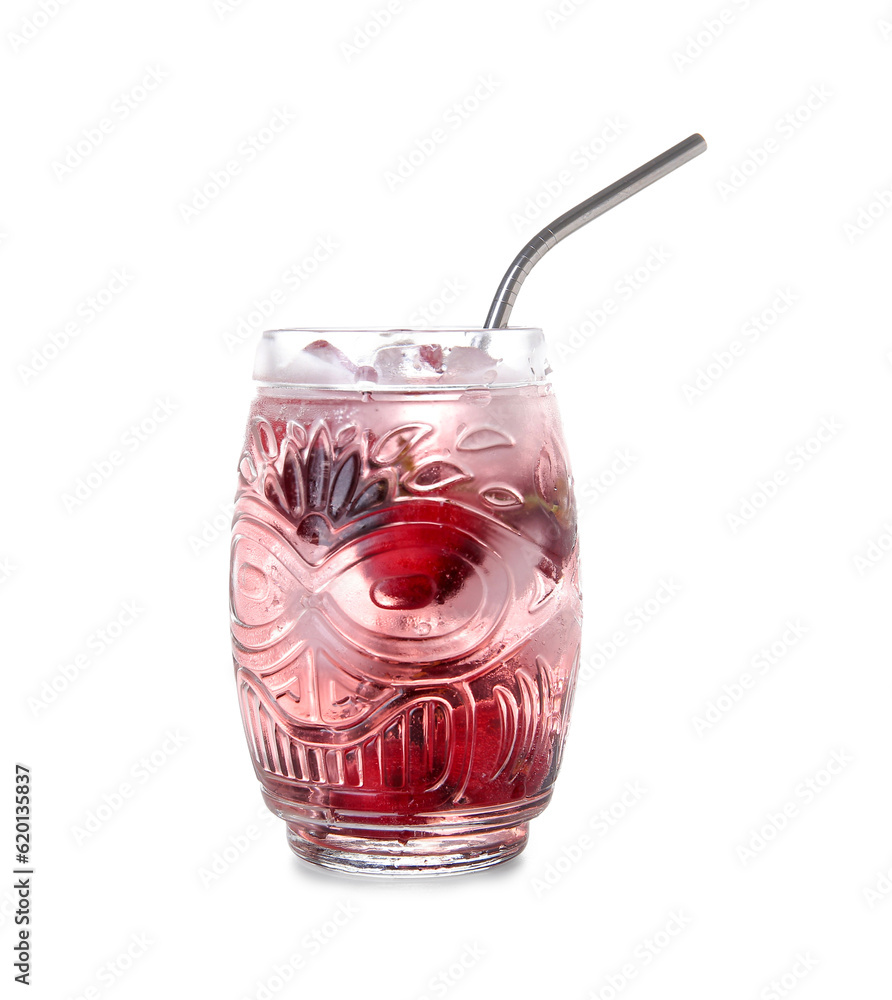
{"x": 576, "y": 218}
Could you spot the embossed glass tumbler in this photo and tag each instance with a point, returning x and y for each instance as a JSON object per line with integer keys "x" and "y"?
{"x": 404, "y": 596}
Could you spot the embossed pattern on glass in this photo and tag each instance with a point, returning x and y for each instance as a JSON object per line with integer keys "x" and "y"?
{"x": 405, "y": 620}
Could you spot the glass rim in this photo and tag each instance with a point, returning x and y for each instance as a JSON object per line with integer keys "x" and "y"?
{"x": 401, "y": 329}
{"x": 393, "y": 358}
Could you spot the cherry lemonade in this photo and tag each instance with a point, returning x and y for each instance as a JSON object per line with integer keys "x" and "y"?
{"x": 405, "y": 615}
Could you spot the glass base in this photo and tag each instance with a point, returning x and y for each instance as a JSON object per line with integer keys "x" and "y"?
{"x": 415, "y": 856}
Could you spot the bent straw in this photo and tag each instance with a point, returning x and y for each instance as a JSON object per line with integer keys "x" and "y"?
{"x": 581, "y": 215}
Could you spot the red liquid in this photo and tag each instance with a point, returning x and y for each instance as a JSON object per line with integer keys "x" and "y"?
{"x": 405, "y": 608}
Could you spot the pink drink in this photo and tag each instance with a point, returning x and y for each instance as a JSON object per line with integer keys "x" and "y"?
{"x": 405, "y": 613}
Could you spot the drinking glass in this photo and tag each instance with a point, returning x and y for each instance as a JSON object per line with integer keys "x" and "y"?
{"x": 405, "y": 602}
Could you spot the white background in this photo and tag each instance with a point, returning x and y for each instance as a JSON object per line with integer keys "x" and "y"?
{"x": 789, "y": 199}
